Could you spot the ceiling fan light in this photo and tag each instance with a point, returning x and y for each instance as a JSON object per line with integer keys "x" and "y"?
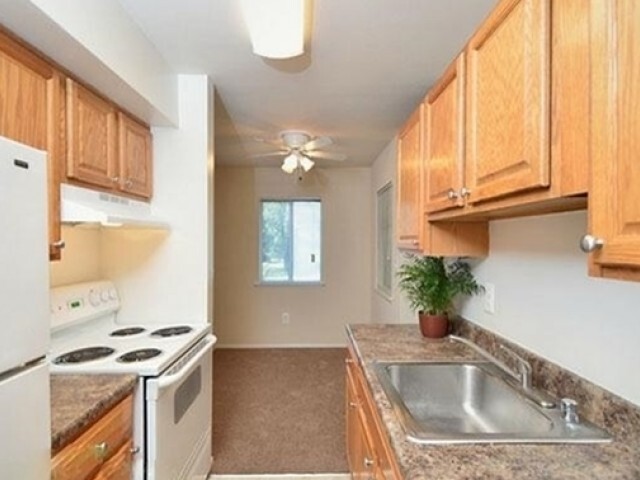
{"x": 306, "y": 163}
{"x": 276, "y": 27}
{"x": 290, "y": 163}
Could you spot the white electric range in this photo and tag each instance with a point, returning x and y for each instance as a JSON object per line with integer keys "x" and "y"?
{"x": 173, "y": 397}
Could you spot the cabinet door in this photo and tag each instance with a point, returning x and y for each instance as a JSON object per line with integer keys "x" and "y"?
{"x": 354, "y": 431}
{"x": 31, "y": 112}
{"x": 409, "y": 219}
{"x": 135, "y": 157}
{"x": 91, "y": 138}
{"x": 508, "y": 81}
{"x": 614, "y": 195}
{"x": 444, "y": 141}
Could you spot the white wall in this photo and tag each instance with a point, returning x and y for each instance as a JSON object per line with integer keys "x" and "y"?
{"x": 385, "y": 309}
{"x": 250, "y": 315}
{"x": 546, "y": 302}
{"x": 80, "y": 258}
{"x": 167, "y": 277}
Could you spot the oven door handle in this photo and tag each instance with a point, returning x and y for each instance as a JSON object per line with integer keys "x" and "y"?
{"x": 165, "y": 381}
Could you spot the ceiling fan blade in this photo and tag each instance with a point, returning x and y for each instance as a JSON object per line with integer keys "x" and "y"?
{"x": 340, "y": 157}
{"x": 317, "y": 143}
{"x": 281, "y": 153}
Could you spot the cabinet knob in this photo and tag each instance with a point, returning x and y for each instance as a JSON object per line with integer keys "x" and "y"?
{"x": 353, "y": 404}
{"x": 452, "y": 194}
{"x": 465, "y": 192}
{"x": 115, "y": 179}
{"x": 59, "y": 244}
{"x": 368, "y": 462}
{"x": 415, "y": 242}
{"x": 589, "y": 243}
{"x": 101, "y": 450}
{"x": 128, "y": 183}
{"x": 134, "y": 450}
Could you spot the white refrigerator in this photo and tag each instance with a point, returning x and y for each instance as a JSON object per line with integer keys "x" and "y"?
{"x": 25, "y": 423}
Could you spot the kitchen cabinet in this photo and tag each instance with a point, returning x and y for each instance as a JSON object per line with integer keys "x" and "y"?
{"x": 444, "y": 140}
{"x": 32, "y": 112}
{"x": 135, "y": 157}
{"x": 614, "y": 193}
{"x": 103, "y": 451}
{"x": 508, "y": 91}
{"x": 91, "y": 137}
{"x": 106, "y": 147}
{"x": 368, "y": 451}
{"x": 414, "y": 230}
{"x": 410, "y": 218}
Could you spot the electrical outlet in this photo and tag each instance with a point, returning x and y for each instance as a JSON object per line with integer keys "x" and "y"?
{"x": 490, "y": 298}
{"x": 285, "y": 318}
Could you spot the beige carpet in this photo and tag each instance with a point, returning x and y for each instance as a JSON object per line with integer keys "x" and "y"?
{"x": 278, "y": 411}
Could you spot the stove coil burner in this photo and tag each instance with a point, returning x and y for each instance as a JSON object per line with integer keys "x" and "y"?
{"x": 172, "y": 331}
{"x": 139, "y": 355}
{"x": 125, "y": 332}
{"x": 83, "y": 355}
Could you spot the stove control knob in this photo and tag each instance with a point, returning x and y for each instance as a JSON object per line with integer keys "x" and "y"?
{"x": 104, "y": 296}
{"x": 113, "y": 295}
{"x": 94, "y": 298}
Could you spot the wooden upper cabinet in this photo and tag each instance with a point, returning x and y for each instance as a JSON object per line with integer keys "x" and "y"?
{"x": 409, "y": 222}
{"x": 444, "y": 140}
{"x": 135, "y": 157}
{"x": 106, "y": 147}
{"x": 32, "y": 112}
{"x": 614, "y": 195}
{"x": 91, "y": 137}
{"x": 508, "y": 82}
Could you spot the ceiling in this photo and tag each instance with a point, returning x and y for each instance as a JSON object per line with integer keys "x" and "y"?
{"x": 367, "y": 65}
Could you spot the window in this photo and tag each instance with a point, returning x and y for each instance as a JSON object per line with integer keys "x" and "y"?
{"x": 290, "y": 241}
{"x": 384, "y": 241}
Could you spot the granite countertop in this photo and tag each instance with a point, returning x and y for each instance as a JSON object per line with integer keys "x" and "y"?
{"x": 617, "y": 460}
{"x": 77, "y": 401}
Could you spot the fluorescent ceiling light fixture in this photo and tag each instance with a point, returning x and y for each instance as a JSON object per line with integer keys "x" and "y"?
{"x": 276, "y": 27}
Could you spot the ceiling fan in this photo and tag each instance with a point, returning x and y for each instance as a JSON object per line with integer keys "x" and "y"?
{"x": 299, "y": 149}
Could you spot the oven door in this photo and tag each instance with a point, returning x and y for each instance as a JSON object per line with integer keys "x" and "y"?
{"x": 178, "y": 414}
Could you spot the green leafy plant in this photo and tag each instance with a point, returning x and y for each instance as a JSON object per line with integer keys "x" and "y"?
{"x": 432, "y": 283}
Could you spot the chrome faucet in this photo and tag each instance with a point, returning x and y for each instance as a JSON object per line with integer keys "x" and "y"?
{"x": 524, "y": 368}
{"x": 522, "y": 376}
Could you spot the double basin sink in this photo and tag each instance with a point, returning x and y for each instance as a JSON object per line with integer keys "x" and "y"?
{"x": 475, "y": 402}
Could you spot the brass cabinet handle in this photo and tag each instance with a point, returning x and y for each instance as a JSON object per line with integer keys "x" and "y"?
{"x": 59, "y": 244}
{"x": 465, "y": 192}
{"x": 101, "y": 450}
{"x": 452, "y": 194}
{"x": 368, "y": 463}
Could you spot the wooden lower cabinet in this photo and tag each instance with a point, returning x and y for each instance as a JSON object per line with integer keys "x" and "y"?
{"x": 368, "y": 451}
{"x": 102, "y": 452}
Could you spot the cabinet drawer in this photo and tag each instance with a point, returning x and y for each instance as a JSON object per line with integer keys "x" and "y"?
{"x": 119, "y": 466}
{"x": 82, "y": 458}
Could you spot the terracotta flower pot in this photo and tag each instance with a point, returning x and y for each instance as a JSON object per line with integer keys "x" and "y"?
{"x": 433, "y": 326}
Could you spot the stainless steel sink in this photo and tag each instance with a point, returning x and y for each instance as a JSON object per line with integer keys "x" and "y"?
{"x": 473, "y": 402}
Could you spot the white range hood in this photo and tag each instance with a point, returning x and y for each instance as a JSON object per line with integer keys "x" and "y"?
{"x": 84, "y": 206}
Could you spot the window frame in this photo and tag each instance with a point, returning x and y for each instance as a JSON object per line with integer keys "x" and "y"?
{"x": 290, "y": 283}
{"x": 379, "y": 287}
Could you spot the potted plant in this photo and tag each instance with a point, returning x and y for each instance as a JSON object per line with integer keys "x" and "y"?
{"x": 431, "y": 285}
